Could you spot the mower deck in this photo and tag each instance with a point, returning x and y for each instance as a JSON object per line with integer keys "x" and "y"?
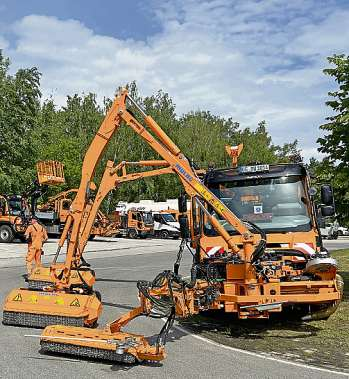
{"x": 99, "y": 344}
{"x": 38, "y": 309}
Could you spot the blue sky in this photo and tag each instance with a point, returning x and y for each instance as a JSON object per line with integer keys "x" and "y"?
{"x": 120, "y": 19}
{"x": 250, "y": 60}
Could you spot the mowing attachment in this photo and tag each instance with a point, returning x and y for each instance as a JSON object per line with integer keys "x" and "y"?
{"x": 38, "y": 309}
{"x": 99, "y": 344}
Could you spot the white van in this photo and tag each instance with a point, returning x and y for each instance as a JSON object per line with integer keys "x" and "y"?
{"x": 165, "y": 225}
{"x": 330, "y": 230}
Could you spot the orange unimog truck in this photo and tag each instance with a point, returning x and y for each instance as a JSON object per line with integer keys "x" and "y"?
{"x": 53, "y": 214}
{"x": 132, "y": 224}
{"x": 278, "y": 201}
{"x": 136, "y": 223}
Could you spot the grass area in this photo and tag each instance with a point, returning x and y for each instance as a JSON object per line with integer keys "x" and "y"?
{"x": 324, "y": 343}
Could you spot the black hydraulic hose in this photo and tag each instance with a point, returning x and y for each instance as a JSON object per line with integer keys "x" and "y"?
{"x": 57, "y": 254}
{"x": 162, "y": 336}
{"x": 179, "y": 257}
{"x": 259, "y": 251}
{"x": 193, "y": 276}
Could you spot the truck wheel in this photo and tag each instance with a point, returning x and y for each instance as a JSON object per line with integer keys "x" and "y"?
{"x": 164, "y": 234}
{"x": 6, "y": 234}
{"x": 132, "y": 233}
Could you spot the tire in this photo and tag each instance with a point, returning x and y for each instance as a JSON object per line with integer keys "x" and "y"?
{"x": 132, "y": 233}
{"x": 164, "y": 234}
{"x": 6, "y": 234}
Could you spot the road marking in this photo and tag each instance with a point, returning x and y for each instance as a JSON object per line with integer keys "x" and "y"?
{"x": 235, "y": 349}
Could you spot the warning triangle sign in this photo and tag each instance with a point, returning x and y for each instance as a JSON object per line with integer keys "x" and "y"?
{"x": 18, "y": 297}
{"x": 75, "y": 303}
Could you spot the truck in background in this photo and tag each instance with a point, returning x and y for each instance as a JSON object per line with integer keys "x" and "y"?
{"x": 165, "y": 225}
{"x": 16, "y": 209}
{"x": 329, "y": 229}
{"x": 133, "y": 223}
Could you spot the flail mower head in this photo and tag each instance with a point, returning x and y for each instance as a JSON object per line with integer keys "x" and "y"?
{"x": 33, "y": 308}
{"x": 99, "y": 344}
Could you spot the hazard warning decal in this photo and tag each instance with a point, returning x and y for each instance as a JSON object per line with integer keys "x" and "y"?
{"x": 18, "y": 297}
{"x": 75, "y": 303}
{"x": 33, "y": 299}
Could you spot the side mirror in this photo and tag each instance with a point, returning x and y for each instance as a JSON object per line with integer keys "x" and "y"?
{"x": 182, "y": 203}
{"x": 327, "y": 195}
{"x": 184, "y": 226}
{"x": 327, "y": 210}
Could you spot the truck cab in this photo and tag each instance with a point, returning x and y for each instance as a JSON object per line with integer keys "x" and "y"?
{"x": 292, "y": 270}
{"x": 165, "y": 225}
{"x": 276, "y": 198}
{"x": 14, "y": 213}
{"x": 138, "y": 223}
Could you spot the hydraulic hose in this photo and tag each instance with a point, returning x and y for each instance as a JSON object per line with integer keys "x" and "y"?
{"x": 259, "y": 250}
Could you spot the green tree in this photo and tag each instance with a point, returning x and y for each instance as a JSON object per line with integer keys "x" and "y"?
{"x": 335, "y": 143}
{"x": 19, "y": 109}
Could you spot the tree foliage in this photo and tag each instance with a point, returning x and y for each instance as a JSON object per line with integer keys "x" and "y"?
{"x": 32, "y": 130}
{"x": 335, "y": 144}
{"x": 19, "y": 110}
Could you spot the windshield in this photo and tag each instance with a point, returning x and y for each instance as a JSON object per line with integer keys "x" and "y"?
{"x": 148, "y": 218}
{"x": 15, "y": 206}
{"x": 168, "y": 217}
{"x": 273, "y": 204}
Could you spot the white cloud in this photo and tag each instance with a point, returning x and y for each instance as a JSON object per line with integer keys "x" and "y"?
{"x": 250, "y": 60}
{"x": 3, "y": 43}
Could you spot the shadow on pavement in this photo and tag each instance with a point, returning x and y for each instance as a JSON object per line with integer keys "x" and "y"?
{"x": 115, "y": 280}
{"x": 116, "y": 305}
{"x": 230, "y": 326}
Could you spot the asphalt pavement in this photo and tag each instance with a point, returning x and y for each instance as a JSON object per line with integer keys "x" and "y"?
{"x": 340, "y": 243}
{"x": 119, "y": 264}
